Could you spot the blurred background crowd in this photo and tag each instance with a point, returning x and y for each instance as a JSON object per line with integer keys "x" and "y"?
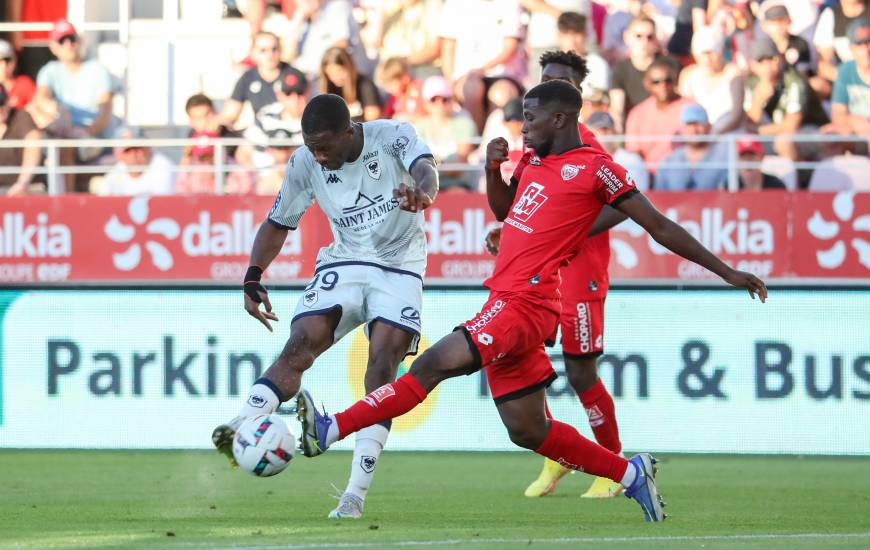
{"x": 677, "y": 89}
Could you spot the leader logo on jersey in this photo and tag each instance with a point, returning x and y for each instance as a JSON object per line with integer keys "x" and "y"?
{"x": 529, "y": 202}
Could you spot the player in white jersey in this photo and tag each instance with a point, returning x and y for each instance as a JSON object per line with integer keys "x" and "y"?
{"x": 373, "y": 181}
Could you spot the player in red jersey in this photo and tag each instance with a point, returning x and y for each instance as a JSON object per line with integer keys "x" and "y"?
{"x": 546, "y": 214}
{"x": 584, "y": 289}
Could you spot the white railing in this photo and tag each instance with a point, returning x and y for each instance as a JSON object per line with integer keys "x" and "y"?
{"x": 53, "y": 170}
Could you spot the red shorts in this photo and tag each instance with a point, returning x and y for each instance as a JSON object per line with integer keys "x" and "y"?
{"x": 507, "y": 338}
{"x": 582, "y": 324}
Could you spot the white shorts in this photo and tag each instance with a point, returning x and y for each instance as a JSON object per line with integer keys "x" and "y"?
{"x": 365, "y": 293}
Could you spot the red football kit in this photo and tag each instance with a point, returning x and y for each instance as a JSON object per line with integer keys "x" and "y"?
{"x": 557, "y": 200}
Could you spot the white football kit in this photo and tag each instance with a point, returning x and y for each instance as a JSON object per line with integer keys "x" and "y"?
{"x": 373, "y": 270}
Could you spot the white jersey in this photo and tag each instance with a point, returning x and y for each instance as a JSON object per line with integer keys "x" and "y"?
{"x": 367, "y": 224}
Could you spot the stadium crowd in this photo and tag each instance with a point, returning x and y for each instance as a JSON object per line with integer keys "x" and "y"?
{"x": 669, "y": 75}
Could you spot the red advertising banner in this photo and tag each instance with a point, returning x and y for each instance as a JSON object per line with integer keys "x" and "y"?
{"x": 208, "y": 238}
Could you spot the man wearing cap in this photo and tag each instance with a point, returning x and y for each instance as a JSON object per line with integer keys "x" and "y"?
{"x": 850, "y": 101}
{"x": 775, "y": 23}
{"x": 16, "y": 124}
{"x": 657, "y": 115}
{"x": 750, "y": 176}
{"x": 258, "y": 84}
{"x": 139, "y": 170}
{"x": 449, "y": 133}
{"x": 697, "y": 165}
{"x": 21, "y": 88}
{"x": 779, "y": 101}
{"x": 603, "y": 125}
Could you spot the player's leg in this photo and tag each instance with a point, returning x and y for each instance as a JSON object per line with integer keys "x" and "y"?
{"x": 528, "y": 426}
{"x": 309, "y": 337}
{"x": 451, "y": 356}
{"x": 388, "y": 346}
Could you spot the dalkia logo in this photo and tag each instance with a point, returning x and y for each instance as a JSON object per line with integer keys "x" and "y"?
{"x": 18, "y": 238}
{"x": 833, "y": 257}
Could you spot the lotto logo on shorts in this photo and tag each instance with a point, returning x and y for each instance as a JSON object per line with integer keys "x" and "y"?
{"x": 379, "y": 395}
{"x": 485, "y": 317}
{"x": 484, "y": 338}
{"x": 583, "y": 329}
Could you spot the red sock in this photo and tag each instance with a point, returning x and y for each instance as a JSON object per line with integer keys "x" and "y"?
{"x": 386, "y": 402}
{"x": 602, "y": 416}
{"x": 566, "y": 446}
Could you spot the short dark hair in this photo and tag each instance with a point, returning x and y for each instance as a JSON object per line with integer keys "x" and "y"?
{"x": 325, "y": 113}
{"x": 571, "y": 21}
{"x": 198, "y": 100}
{"x": 569, "y": 59}
{"x": 557, "y": 95}
{"x": 662, "y": 63}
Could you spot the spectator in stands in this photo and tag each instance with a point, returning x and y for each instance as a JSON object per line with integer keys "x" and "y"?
{"x": 508, "y": 125}
{"x": 750, "y": 176}
{"x": 594, "y": 101}
{"x": 850, "y": 101}
{"x": 16, "y": 124}
{"x": 408, "y": 29}
{"x": 271, "y": 178}
{"x": 480, "y": 45}
{"x": 775, "y": 23}
{"x": 138, "y": 170}
{"x": 20, "y": 89}
{"x": 830, "y": 37}
{"x": 603, "y": 125}
{"x": 841, "y": 171}
{"x": 205, "y": 127}
{"x": 543, "y": 18}
{"x": 257, "y": 85}
{"x": 449, "y": 133}
{"x": 657, "y": 116}
{"x": 405, "y": 100}
{"x": 691, "y": 16}
{"x": 339, "y": 75}
{"x": 628, "y": 87}
{"x": 712, "y": 83}
{"x": 572, "y": 36}
{"x": 697, "y": 165}
{"x": 779, "y": 101}
{"x": 322, "y": 24}
{"x": 620, "y": 14}
{"x": 73, "y": 100}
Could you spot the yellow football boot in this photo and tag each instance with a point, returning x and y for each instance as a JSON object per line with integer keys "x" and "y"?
{"x": 602, "y": 488}
{"x": 546, "y": 482}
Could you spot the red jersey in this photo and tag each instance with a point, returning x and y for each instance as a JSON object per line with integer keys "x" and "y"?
{"x": 591, "y": 282}
{"x": 558, "y": 199}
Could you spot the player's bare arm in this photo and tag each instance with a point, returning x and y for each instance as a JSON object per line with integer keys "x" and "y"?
{"x": 676, "y": 239}
{"x": 499, "y": 194}
{"x": 607, "y": 219}
{"x": 267, "y": 244}
{"x": 422, "y": 195}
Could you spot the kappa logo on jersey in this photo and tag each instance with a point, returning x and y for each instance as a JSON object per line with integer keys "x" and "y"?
{"x": 411, "y": 315}
{"x": 333, "y": 178}
{"x": 374, "y": 169}
{"x": 367, "y": 463}
{"x": 276, "y": 204}
{"x": 379, "y": 395}
{"x": 570, "y": 171}
{"x": 310, "y": 298}
{"x": 535, "y": 160}
{"x": 530, "y": 202}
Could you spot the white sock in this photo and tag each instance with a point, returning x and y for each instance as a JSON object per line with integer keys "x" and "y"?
{"x": 261, "y": 400}
{"x": 630, "y": 476}
{"x": 369, "y": 444}
{"x": 332, "y": 431}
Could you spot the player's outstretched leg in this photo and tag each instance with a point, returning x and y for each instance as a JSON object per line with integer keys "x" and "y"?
{"x": 582, "y": 374}
{"x": 449, "y": 357}
{"x": 550, "y": 475}
{"x": 528, "y": 426}
{"x": 388, "y": 346}
{"x": 309, "y": 337}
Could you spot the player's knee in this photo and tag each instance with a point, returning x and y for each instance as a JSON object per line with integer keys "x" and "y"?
{"x": 582, "y": 373}
{"x": 526, "y": 436}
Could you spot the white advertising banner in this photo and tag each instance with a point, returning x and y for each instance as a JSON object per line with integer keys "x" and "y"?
{"x": 690, "y": 371}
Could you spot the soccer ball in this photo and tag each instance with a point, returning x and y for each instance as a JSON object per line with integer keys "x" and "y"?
{"x": 263, "y": 445}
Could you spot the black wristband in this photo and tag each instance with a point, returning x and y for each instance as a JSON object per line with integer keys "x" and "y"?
{"x": 253, "y": 274}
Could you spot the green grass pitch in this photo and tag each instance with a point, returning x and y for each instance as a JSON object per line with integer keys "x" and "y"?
{"x": 192, "y": 500}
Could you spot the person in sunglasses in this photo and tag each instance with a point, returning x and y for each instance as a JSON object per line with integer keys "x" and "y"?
{"x": 657, "y": 115}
